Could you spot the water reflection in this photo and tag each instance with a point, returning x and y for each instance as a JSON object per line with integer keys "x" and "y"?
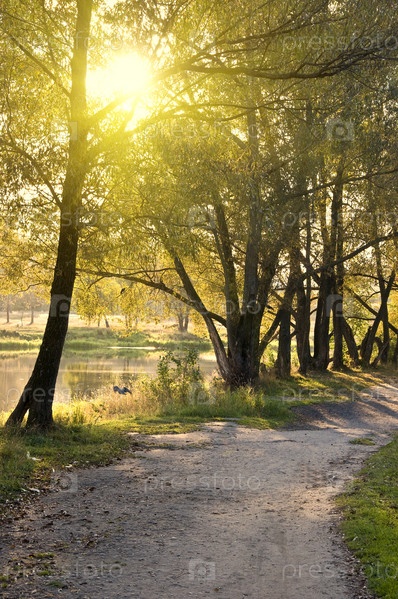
{"x": 80, "y": 375}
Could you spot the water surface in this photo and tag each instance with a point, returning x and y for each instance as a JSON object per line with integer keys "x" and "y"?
{"x": 82, "y": 375}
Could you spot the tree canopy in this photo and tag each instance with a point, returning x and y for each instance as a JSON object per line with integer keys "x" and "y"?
{"x": 250, "y": 174}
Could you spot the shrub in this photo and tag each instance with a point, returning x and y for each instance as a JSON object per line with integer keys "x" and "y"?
{"x": 179, "y": 381}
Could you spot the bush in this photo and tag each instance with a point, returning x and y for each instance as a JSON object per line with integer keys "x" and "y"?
{"x": 179, "y": 381}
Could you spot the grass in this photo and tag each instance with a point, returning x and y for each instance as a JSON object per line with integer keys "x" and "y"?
{"x": 12, "y": 341}
{"x": 362, "y": 441}
{"x": 323, "y": 386}
{"x": 95, "y": 432}
{"x": 88, "y": 339}
{"x": 29, "y": 459}
{"x": 370, "y": 524}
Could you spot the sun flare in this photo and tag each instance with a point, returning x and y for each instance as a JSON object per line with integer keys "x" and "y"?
{"x": 127, "y": 74}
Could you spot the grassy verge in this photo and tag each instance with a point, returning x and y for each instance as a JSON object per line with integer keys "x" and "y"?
{"x": 86, "y": 339}
{"x": 28, "y": 460}
{"x": 370, "y": 524}
{"x": 323, "y": 386}
{"x": 95, "y": 432}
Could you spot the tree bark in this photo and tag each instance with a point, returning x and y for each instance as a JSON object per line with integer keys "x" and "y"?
{"x": 32, "y": 313}
{"x": 322, "y": 322}
{"x": 38, "y": 394}
{"x": 183, "y": 320}
{"x": 350, "y": 341}
{"x": 369, "y": 340}
{"x": 337, "y": 242}
{"x": 283, "y": 362}
{"x": 8, "y": 309}
{"x": 395, "y": 355}
{"x": 303, "y": 325}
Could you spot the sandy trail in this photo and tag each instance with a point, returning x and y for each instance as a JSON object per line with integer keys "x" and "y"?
{"x": 224, "y": 512}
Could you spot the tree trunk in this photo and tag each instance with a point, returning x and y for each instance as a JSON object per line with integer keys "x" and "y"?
{"x": 303, "y": 329}
{"x": 183, "y": 320}
{"x": 369, "y": 340}
{"x": 395, "y": 355}
{"x": 337, "y": 247}
{"x": 283, "y": 363}
{"x": 350, "y": 341}
{"x": 244, "y": 354}
{"x": 338, "y": 362}
{"x": 322, "y": 322}
{"x": 32, "y": 314}
{"x": 383, "y": 307}
{"x": 38, "y": 394}
{"x": 8, "y": 309}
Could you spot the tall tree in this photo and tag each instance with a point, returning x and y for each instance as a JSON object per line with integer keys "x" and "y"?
{"x": 193, "y": 44}
{"x": 38, "y": 394}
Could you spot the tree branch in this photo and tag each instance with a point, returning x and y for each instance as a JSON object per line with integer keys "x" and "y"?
{"x": 37, "y": 61}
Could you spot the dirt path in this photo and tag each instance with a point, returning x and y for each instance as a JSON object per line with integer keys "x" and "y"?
{"x": 225, "y": 512}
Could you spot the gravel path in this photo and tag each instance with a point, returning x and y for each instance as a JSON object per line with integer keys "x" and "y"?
{"x": 224, "y": 512}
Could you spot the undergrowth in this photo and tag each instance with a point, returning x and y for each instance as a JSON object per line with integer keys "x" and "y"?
{"x": 370, "y": 525}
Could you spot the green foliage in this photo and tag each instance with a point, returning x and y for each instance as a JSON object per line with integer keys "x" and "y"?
{"x": 370, "y": 522}
{"x": 179, "y": 380}
{"x": 250, "y": 407}
{"x": 16, "y": 468}
{"x": 362, "y": 441}
{"x": 28, "y": 459}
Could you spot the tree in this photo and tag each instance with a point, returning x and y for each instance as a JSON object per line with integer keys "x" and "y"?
{"x": 183, "y": 38}
{"x": 38, "y": 394}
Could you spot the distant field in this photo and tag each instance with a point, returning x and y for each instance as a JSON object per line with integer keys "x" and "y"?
{"x": 20, "y": 320}
{"x": 17, "y": 337}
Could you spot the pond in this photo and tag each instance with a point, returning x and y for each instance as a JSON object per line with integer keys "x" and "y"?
{"x": 83, "y": 375}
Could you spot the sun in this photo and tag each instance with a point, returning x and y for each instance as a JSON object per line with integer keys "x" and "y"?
{"x": 126, "y": 75}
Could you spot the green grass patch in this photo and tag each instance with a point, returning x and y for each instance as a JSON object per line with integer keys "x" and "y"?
{"x": 178, "y": 400}
{"x": 14, "y": 341}
{"x": 362, "y": 441}
{"x": 241, "y": 405}
{"x": 28, "y": 459}
{"x": 370, "y": 524}
{"x": 319, "y": 387}
{"x": 106, "y": 341}
{"x": 95, "y": 432}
